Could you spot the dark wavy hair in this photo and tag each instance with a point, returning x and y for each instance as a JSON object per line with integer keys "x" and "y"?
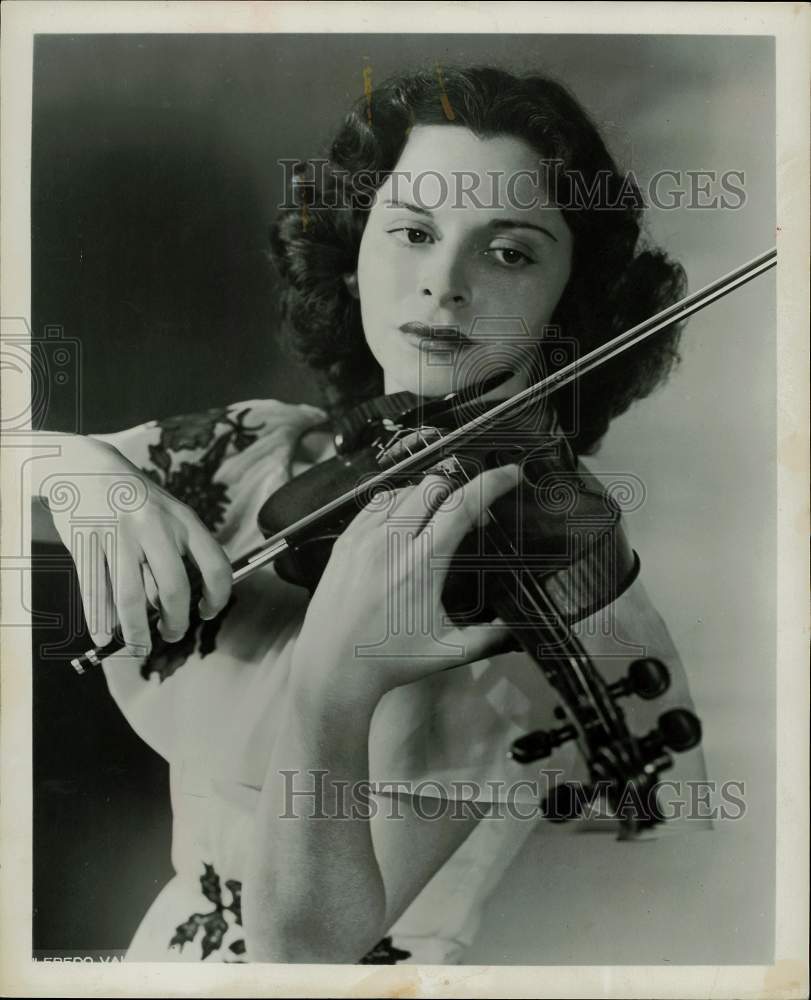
{"x": 614, "y": 282}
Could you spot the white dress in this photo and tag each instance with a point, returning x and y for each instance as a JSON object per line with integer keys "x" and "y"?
{"x": 211, "y": 706}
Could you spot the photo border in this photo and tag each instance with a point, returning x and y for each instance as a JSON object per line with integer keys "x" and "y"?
{"x": 788, "y": 977}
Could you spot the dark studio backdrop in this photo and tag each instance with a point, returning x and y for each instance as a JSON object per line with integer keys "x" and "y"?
{"x": 154, "y": 179}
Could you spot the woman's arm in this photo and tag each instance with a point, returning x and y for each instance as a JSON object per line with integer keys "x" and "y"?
{"x": 315, "y": 892}
{"x": 315, "y": 889}
{"x": 368, "y": 855}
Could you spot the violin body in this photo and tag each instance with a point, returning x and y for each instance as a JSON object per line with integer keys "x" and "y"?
{"x": 565, "y": 525}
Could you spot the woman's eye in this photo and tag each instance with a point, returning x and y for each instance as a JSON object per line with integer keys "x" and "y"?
{"x": 510, "y": 257}
{"x": 410, "y": 236}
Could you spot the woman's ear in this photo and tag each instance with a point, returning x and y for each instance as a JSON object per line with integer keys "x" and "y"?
{"x": 351, "y": 282}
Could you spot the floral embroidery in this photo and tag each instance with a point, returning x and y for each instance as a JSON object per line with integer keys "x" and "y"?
{"x": 384, "y": 953}
{"x": 215, "y": 925}
{"x": 192, "y": 430}
{"x": 193, "y": 484}
{"x": 166, "y": 657}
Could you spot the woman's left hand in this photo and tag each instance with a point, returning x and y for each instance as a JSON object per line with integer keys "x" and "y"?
{"x": 376, "y": 619}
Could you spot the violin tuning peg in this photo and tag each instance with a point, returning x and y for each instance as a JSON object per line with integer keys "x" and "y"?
{"x": 540, "y": 744}
{"x": 646, "y": 678}
{"x": 680, "y": 729}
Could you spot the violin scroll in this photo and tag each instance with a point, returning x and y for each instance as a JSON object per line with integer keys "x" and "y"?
{"x": 632, "y": 801}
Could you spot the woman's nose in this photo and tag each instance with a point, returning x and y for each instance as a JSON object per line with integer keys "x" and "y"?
{"x": 444, "y": 280}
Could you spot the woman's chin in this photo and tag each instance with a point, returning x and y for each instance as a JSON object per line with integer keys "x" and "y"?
{"x": 428, "y": 387}
{"x": 438, "y": 384}
{"x": 437, "y": 373}
{"x": 421, "y": 380}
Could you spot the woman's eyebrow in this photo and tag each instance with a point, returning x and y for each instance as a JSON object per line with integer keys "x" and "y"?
{"x": 493, "y": 224}
{"x": 411, "y": 208}
{"x": 517, "y": 224}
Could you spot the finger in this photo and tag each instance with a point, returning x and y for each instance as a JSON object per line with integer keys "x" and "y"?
{"x": 466, "y": 508}
{"x": 150, "y": 586}
{"x": 479, "y": 642}
{"x": 510, "y": 642}
{"x": 216, "y": 574}
{"x": 112, "y": 621}
{"x": 124, "y": 566}
{"x": 409, "y": 506}
{"x": 173, "y": 588}
{"x": 422, "y": 501}
{"x": 377, "y": 510}
{"x": 91, "y": 570}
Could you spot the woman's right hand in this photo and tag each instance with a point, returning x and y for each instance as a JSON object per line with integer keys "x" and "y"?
{"x": 137, "y": 559}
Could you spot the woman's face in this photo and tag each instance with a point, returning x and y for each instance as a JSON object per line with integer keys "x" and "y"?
{"x": 477, "y": 275}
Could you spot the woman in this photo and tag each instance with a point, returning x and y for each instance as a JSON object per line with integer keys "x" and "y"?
{"x": 277, "y": 713}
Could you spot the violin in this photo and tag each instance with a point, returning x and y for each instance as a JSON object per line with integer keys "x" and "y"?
{"x": 548, "y": 554}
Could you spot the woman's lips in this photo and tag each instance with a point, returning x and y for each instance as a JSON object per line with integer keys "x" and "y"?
{"x": 434, "y": 337}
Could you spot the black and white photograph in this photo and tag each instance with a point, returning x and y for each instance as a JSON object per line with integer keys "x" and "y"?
{"x": 405, "y": 511}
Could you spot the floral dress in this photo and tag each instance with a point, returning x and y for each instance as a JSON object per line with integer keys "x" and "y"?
{"x": 210, "y": 705}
